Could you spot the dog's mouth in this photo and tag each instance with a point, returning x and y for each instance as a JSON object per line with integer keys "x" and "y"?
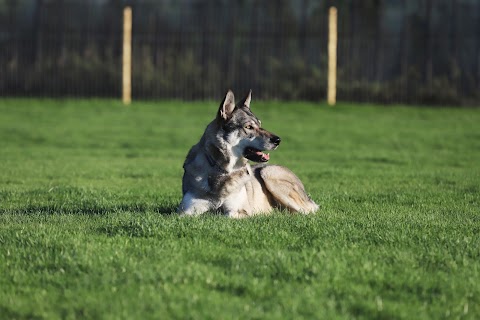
{"x": 256, "y": 155}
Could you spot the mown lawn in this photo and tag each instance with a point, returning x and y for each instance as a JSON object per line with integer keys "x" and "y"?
{"x": 88, "y": 188}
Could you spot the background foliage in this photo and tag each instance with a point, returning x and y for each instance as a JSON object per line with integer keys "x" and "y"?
{"x": 389, "y": 51}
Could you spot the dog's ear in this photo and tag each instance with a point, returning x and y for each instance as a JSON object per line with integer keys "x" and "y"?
{"x": 227, "y": 106}
{"x": 246, "y": 101}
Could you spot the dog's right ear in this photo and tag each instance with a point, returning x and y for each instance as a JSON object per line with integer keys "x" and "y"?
{"x": 246, "y": 101}
{"x": 227, "y": 106}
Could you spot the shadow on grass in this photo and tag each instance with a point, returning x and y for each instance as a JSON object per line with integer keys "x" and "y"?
{"x": 10, "y": 313}
{"x": 92, "y": 209}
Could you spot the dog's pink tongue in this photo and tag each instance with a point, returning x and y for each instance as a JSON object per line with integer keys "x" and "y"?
{"x": 263, "y": 156}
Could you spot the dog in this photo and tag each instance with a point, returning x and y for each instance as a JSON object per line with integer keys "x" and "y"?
{"x": 218, "y": 177}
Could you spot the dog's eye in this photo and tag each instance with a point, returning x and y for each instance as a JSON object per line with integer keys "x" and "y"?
{"x": 248, "y": 127}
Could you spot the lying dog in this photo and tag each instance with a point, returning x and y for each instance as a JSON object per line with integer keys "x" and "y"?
{"x": 218, "y": 176}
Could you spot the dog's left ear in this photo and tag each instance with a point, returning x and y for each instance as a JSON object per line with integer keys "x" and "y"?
{"x": 227, "y": 106}
{"x": 246, "y": 101}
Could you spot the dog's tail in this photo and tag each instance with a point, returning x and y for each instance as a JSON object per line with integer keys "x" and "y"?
{"x": 287, "y": 189}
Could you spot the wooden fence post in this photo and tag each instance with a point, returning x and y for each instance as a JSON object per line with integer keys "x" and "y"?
{"x": 127, "y": 56}
{"x": 332, "y": 56}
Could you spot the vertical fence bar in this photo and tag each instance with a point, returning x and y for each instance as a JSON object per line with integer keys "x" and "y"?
{"x": 127, "y": 56}
{"x": 332, "y": 56}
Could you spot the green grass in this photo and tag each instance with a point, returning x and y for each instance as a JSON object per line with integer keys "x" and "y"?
{"x": 88, "y": 187}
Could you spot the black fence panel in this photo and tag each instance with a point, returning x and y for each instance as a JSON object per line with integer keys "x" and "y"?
{"x": 389, "y": 51}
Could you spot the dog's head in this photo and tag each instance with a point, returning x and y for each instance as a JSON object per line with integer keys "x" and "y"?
{"x": 242, "y": 130}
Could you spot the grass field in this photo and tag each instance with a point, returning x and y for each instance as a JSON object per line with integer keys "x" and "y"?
{"x": 88, "y": 187}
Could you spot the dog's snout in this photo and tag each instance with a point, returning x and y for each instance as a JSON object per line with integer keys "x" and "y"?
{"x": 275, "y": 140}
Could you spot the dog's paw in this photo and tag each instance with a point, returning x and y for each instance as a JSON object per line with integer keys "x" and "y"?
{"x": 237, "y": 214}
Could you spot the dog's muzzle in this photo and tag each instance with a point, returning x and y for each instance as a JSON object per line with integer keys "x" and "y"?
{"x": 275, "y": 140}
{"x": 257, "y": 155}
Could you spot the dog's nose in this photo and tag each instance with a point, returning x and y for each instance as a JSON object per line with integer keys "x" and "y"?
{"x": 275, "y": 140}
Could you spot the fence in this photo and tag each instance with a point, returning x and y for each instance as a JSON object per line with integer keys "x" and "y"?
{"x": 389, "y": 51}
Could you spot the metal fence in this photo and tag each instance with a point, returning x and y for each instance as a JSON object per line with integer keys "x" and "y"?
{"x": 389, "y": 51}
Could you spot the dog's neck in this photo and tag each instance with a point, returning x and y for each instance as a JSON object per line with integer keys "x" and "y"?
{"x": 224, "y": 161}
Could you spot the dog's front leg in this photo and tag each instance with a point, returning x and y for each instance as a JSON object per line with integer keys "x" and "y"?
{"x": 231, "y": 192}
{"x": 224, "y": 185}
{"x": 192, "y": 205}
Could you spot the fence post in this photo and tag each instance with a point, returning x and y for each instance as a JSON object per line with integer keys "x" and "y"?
{"x": 127, "y": 56}
{"x": 332, "y": 56}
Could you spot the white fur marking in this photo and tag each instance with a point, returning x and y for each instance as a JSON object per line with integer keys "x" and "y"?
{"x": 193, "y": 206}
